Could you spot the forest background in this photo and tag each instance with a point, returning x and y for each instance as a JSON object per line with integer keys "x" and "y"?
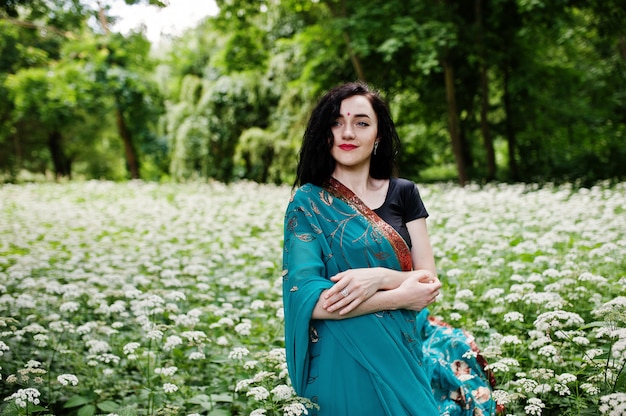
{"x": 481, "y": 90}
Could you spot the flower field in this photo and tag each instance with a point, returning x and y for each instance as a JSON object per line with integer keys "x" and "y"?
{"x": 164, "y": 299}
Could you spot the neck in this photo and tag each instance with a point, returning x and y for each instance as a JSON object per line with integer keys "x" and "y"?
{"x": 358, "y": 181}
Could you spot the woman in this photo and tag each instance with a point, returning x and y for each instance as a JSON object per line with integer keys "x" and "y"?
{"x": 359, "y": 273}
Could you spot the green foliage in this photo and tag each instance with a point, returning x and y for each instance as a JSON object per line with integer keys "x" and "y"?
{"x": 542, "y": 81}
{"x": 254, "y": 154}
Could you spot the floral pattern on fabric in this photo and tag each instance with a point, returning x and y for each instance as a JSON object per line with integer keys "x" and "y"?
{"x": 461, "y": 385}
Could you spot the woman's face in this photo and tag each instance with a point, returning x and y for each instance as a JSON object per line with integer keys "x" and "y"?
{"x": 354, "y": 133}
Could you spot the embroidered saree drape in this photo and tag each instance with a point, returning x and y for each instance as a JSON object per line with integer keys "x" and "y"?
{"x": 373, "y": 364}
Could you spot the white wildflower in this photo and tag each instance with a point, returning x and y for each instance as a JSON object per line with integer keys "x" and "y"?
{"x": 130, "y": 347}
{"x": 243, "y": 328}
{"x": 172, "y": 342}
{"x": 542, "y": 389}
{"x": 175, "y": 296}
{"x": 41, "y": 340}
{"x": 24, "y": 396}
{"x": 510, "y": 339}
{"x": 170, "y": 388}
{"x": 277, "y": 354}
{"x": 526, "y": 385}
{"x": 194, "y": 336}
{"x": 513, "y": 317}
{"x": 589, "y": 388}
{"x": 455, "y": 316}
{"x": 69, "y": 307}
{"x": 243, "y": 384}
{"x": 197, "y": 355}
{"x": 493, "y": 294}
{"x": 557, "y": 319}
{"x": 66, "y": 379}
{"x": 259, "y": 393}
{"x": 534, "y": 407}
{"x": 154, "y": 334}
{"x": 504, "y": 365}
{"x": 501, "y": 397}
{"x": 4, "y": 347}
{"x": 283, "y": 392}
{"x": 464, "y": 294}
{"x": 97, "y": 346}
{"x": 166, "y": 371}
{"x": 482, "y": 323}
{"x": 257, "y": 304}
{"x": 542, "y": 373}
{"x": 562, "y": 389}
{"x": 566, "y": 378}
{"x": 295, "y": 409}
{"x": 613, "y": 404}
{"x": 238, "y": 353}
{"x": 32, "y": 364}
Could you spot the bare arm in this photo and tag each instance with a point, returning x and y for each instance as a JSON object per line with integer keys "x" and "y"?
{"x": 359, "y": 285}
{"x": 412, "y": 294}
{"x": 421, "y": 249}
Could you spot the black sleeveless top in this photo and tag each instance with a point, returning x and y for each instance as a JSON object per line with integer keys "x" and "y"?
{"x": 402, "y": 204}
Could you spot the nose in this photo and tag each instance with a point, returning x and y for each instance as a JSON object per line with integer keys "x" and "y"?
{"x": 347, "y": 133}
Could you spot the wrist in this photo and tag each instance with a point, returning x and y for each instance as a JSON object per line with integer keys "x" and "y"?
{"x": 390, "y": 279}
{"x": 396, "y": 298}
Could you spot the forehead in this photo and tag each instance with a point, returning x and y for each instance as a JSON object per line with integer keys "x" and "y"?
{"x": 357, "y": 104}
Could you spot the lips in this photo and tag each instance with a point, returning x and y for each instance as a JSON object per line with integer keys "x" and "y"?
{"x": 347, "y": 146}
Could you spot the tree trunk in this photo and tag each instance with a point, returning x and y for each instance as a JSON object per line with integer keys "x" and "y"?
{"x": 129, "y": 148}
{"x": 62, "y": 164}
{"x": 132, "y": 162}
{"x": 484, "y": 95}
{"x": 453, "y": 122}
{"x": 17, "y": 166}
{"x": 510, "y": 131}
{"x": 340, "y": 11}
{"x": 356, "y": 62}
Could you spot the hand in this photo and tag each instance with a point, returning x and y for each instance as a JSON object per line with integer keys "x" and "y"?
{"x": 352, "y": 288}
{"x": 419, "y": 290}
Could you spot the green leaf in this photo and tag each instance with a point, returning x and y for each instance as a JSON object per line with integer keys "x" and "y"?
{"x": 222, "y": 397}
{"x": 127, "y": 411}
{"x": 108, "y": 406}
{"x": 199, "y": 399}
{"x": 11, "y": 410}
{"x": 76, "y": 401}
{"x": 87, "y": 410}
{"x": 220, "y": 412}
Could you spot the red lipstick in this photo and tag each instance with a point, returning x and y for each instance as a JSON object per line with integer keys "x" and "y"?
{"x": 347, "y": 146}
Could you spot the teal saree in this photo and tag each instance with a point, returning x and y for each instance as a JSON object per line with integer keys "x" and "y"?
{"x": 385, "y": 363}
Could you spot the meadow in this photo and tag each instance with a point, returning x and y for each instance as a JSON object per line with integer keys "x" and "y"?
{"x": 165, "y": 299}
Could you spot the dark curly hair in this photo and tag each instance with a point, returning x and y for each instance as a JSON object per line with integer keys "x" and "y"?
{"x": 316, "y": 165}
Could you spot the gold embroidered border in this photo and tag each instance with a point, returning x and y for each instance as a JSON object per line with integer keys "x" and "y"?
{"x": 400, "y": 247}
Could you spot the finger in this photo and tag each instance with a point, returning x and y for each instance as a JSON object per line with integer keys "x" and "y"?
{"x": 351, "y": 306}
{"x": 338, "y": 304}
{"x": 425, "y": 278}
{"x": 334, "y": 298}
{"x": 337, "y": 277}
{"x": 334, "y": 290}
{"x": 340, "y": 300}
